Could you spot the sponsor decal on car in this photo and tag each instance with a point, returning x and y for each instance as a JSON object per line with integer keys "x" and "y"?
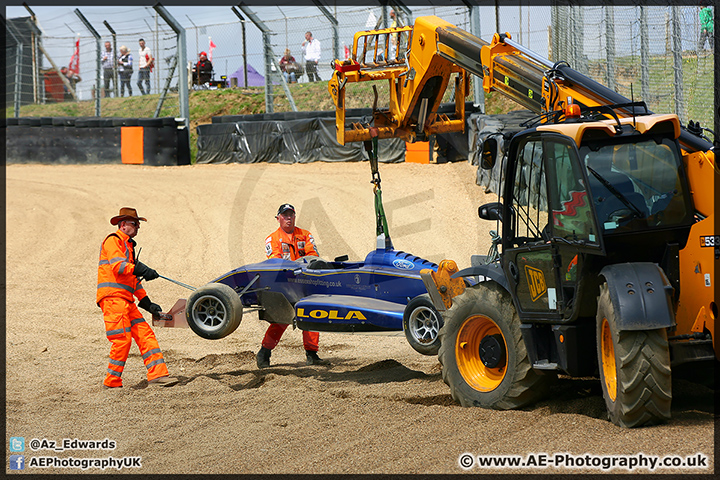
{"x": 330, "y": 314}
{"x": 403, "y": 264}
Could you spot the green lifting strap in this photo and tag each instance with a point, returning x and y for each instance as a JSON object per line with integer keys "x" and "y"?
{"x": 381, "y": 222}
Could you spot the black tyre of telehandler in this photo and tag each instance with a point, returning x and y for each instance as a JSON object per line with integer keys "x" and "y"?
{"x": 634, "y": 369}
{"x": 482, "y": 353}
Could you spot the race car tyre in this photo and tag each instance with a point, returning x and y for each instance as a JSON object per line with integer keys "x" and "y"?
{"x": 422, "y": 323}
{"x": 214, "y": 311}
{"x": 483, "y": 356}
{"x": 634, "y": 369}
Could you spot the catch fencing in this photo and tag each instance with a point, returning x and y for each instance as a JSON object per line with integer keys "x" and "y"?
{"x": 648, "y": 53}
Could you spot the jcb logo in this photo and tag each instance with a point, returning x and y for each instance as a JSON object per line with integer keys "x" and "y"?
{"x": 331, "y": 315}
{"x": 536, "y": 282}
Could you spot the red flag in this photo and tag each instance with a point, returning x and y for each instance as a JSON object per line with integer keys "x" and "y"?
{"x": 74, "y": 66}
{"x": 347, "y": 52}
{"x": 212, "y": 47}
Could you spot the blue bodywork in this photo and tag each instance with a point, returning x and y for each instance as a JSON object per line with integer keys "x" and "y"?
{"x": 367, "y": 296}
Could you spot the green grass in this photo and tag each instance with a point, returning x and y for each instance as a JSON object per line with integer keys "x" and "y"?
{"x": 698, "y": 86}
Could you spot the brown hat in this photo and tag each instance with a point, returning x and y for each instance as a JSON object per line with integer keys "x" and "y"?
{"x": 126, "y": 213}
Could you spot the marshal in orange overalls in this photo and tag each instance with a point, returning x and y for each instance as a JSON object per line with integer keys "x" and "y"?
{"x": 116, "y": 288}
{"x": 290, "y": 247}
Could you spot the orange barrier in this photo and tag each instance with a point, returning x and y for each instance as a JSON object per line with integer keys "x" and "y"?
{"x": 131, "y": 145}
{"x": 418, "y": 152}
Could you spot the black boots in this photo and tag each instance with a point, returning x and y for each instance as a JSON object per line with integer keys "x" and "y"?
{"x": 313, "y": 359}
{"x": 263, "y": 357}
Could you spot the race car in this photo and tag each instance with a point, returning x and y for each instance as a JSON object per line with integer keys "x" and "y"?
{"x": 383, "y": 293}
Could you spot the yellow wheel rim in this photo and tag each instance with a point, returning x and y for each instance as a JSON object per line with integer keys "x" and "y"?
{"x": 607, "y": 353}
{"x": 467, "y": 354}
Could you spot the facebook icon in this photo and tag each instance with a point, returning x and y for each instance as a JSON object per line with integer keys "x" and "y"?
{"x": 17, "y": 462}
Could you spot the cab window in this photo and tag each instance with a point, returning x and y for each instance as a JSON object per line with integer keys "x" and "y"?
{"x": 571, "y": 212}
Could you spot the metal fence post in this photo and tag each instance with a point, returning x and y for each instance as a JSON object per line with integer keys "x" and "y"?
{"x": 115, "y": 55}
{"x": 242, "y": 25}
{"x": 18, "y": 59}
{"x": 552, "y": 41}
{"x": 479, "y": 96}
{"x": 578, "y": 28}
{"x": 644, "y": 55}
{"x": 266, "y": 53}
{"x": 33, "y": 39}
{"x": 97, "y": 60}
{"x": 610, "y": 46}
{"x": 677, "y": 61}
{"x": 269, "y": 59}
{"x": 334, "y": 23}
{"x": 183, "y": 92}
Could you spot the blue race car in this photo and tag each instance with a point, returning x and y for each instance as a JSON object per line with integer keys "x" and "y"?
{"x": 383, "y": 293}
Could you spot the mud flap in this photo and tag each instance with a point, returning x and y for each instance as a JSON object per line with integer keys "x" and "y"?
{"x": 176, "y": 315}
{"x": 641, "y": 295}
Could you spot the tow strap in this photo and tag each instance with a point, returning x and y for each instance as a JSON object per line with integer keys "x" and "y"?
{"x": 371, "y": 147}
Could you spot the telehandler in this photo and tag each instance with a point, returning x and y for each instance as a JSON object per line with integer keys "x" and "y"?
{"x": 606, "y": 257}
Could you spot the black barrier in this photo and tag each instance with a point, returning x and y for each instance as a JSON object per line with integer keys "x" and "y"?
{"x": 302, "y": 137}
{"x": 94, "y": 140}
{"x": 283, "y": 141}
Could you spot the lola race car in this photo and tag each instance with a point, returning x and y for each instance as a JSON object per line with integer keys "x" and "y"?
{"x": 382, "y": 294}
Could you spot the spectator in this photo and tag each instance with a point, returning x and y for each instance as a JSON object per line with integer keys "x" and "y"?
{"x": 146, "y": 63}
{"x": 289, "y": 67}
{"x": 73, "y": 78}
{"x": 706, "y": 26}
{"x": 202, "y": 73}
{"x": 289, "y": 242}
{"x": 311, "y": 49}
{"x": 125, "y": 70}
{"x": 108, "y": 65}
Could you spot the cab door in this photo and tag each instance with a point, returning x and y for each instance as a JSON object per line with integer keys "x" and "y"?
{"x": 552, "y": 226}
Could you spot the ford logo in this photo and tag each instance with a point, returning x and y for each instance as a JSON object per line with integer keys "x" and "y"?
{"x": 403, "y": 264}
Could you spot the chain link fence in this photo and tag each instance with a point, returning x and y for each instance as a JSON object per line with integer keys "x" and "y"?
{"x": 646, "y": 53}
{"x": 75, "y": 71}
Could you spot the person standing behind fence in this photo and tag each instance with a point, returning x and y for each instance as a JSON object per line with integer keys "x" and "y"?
{"x": 706, "y": 26}
{"x": 146, "y": 62}
{"x": 125, "y": 70}
{"x": 311, "y": 49}
{"x": 108, "y": 64}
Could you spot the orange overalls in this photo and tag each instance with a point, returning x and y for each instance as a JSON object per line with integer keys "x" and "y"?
{"x": 290, "y": 247}
{"x": 123, "y": 321}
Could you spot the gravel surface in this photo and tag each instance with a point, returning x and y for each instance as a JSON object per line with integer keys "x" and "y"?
{"x": 378, "y": 408}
